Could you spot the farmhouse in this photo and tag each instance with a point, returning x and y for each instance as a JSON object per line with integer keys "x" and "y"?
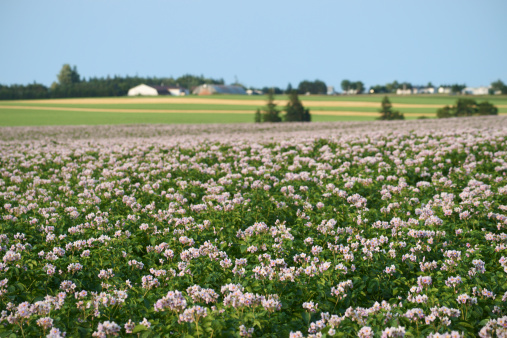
{"x": 210, "y": 89}
{"x": 415, "y": 90}
{"x": 146, "y": 90}
{"x": 444, "y": 90}
{"x": 476, "y": 90}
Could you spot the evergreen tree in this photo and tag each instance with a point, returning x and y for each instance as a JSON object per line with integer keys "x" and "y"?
{"x": 295, "y": 110}
{"x": 306, "y": 116}
{"x": 387, "y": 113}
{"x": 270, "y": 112}
{"x": 68, "y": 75}
{"x": 258, "y": 117}
{"x": 445, "y": 112}
{"x": 486, "y": 108}
{"x": 467, "y": 107}
{"x": 499, "y": 86}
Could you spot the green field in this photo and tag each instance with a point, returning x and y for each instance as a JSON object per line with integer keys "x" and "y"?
{"x": 212, "y": 109}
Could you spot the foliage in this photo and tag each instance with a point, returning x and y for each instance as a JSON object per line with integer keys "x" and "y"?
{"x": 387, "y": 113}
{"x": 312, "y": 87}
{"x": 295, "y": 112}
{"x": 378, "y": 89}
{"x": 357, "y": 87}
{"x": 67, "y": 75}
{"x": 499, "y": 86}
{"x": 71, "y": 85}
{"x": 387, "y": 230}
{"x": 467, "y": 107}
{"x": 19, "y": 92}
{"x": 391, "y": 87}
{"x": 457, "y": 88}
{"x": 258, "y": 116}
{"x": 275, "y": 90}
{"x": 270, "y": 113}
{"x": 345, "y": 84}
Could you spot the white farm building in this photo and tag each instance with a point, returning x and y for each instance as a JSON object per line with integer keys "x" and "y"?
{"x": 476, "y": 90}
{"x": 146, "y": 90}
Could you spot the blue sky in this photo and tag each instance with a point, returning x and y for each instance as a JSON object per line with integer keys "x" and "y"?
{"x": 262, "y": 43}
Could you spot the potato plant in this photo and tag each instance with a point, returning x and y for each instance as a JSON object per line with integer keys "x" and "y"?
{"x": 389, "y": 232}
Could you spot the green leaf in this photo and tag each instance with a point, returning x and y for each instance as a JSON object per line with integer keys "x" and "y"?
{"x": 306, "y": 317}
{"x": 139, "y": 328}
{"x": 465, "y": 324}
{"x": 483, "y": 322}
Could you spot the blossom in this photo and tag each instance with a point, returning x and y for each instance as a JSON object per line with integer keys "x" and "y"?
{"x": 107, "y": 328}
{"x": 365, "y": 332}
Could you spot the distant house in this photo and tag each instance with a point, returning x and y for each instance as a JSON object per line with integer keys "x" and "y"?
{"x": 350, "y": 92}
{"x": 476, "y": 90}
{"x": 415, "y": 90}
{"x": 444, "y": 90}
{"x": 146, "y": 90}
{"x": 402, "y": 91}
{"x": 330, "y": 90}
{"x": 211, "y": 89}
{"x": 423, "y": 90}
{"x": 253, "y": 92}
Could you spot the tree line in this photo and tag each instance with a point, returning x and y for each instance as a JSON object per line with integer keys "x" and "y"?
{"x": 464, "y": 107}
{"x": 467, "y": 107}
{"x": 70, "y": 84}
{"x": 456, "y": 88}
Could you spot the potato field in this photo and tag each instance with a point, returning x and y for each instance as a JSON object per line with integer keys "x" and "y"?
{"x": 364, "y": 229}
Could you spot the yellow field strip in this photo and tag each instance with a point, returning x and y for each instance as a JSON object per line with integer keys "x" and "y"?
{"x": 190, "y": 100}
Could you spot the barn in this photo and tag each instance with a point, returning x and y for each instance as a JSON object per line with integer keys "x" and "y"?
{"x": 211, "y": 89}
{"x": 146, "y": 90}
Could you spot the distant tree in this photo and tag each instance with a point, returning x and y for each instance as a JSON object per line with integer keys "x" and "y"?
{"x": 345, "y": 84}
{"x": 445, "y": 112}
{"x": 430, "y": 85}
{"x": 295, "y": 112}
{"x": 467, "y": 107}
{"x": 359, "y": 86}
{"x": 307, "y": 117}
{"x": 315, "y": 87}
{"x": 270, "y": 113}
{"x": 387, "y": 113}
{"x": 289, "y": 89}
{"x": 486, "y": 108}
{"x": 393, "y": 86}
{"x": 191, "y": 81}
{"x": 378, "y": 89}
{"x": 457, "y": 88}
{"x": 68, "y": 75}
{"x": 258, "y": 116}
{"x": 499, "y": 86}
{"x": 405, "y": 85}
{"x": 18, "y": 92}
{"x": 319, "y": 87}
{"x": 275, "y": 90}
